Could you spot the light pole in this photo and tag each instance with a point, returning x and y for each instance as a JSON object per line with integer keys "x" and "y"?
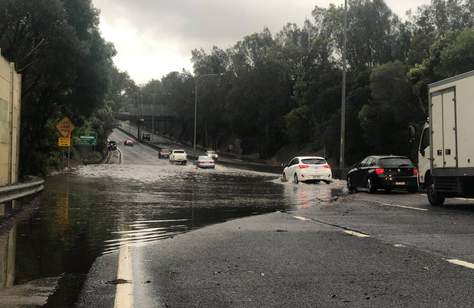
{"x": 196, "y": 103}
{"x": 343, "y": 96}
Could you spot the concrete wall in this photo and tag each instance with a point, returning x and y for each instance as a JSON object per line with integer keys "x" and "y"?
{"x": 10, "y": 104}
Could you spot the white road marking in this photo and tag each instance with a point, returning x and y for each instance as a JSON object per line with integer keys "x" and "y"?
{"x": 461, "y": 263}
{"x": 399, "y": 245}
{"x": 465, "y": 199}
{"x": 355, "y": 233}
{"x": 124, "y": 291}
{"x": 404, "y": 207}
{"x": 301, "y": 218}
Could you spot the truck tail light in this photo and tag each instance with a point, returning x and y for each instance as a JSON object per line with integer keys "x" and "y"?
{"x": 379, "y": 171}
{"x": 303, "y": 166}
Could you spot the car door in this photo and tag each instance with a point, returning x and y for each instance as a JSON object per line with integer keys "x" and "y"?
{"x": 289, "y": 169}
{"x": 293, "y": 166}
{"x": 366, "y": 171}
{"x": 356, "y": 176}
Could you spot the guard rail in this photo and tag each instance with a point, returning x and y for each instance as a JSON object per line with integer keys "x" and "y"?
{"x": 20, "y": 190}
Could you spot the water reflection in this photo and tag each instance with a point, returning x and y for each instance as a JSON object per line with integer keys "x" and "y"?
{"x": 92, "y": 213}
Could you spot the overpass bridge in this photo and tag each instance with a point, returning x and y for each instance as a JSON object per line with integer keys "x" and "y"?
{"x": 155, "y": 118}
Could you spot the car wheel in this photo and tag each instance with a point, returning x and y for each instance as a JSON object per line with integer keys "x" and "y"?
{"x": 434, "y": 197}
{"x": 350, "y": 186}
{"x": 295, "y": 179}
{"x": 327, "y": 182}
{"x": 283, "y": 177}
{"x": 371, "y": 186}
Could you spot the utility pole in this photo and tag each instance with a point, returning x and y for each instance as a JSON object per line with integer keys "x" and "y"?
{"x": 343, "y": 96}
{"x": 195, "y": 113}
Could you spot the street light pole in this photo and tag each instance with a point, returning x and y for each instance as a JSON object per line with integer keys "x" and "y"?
{"x": 195, "y": 113}
{"x": 343, "y": 96}
{"x": 196, "y": 103}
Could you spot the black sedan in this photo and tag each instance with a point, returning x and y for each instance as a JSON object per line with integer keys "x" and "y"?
{"x": 383, "y": 172}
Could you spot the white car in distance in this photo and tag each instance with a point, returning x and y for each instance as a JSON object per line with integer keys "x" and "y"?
{"x": 178, "y": 156}
{"x": 307, "y": 168}
{"x": 205, "y": 162}
{"x": 212, "y": 154}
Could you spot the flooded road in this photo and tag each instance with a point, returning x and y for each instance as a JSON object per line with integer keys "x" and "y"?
{"x": 98, "y": 209}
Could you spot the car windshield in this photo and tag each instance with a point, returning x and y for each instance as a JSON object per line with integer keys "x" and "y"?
{"x": 395, "y": 162}
{"x": 314, "y": 161}
{"x": 178, "y": 152}
{"x": 203, "y": 158}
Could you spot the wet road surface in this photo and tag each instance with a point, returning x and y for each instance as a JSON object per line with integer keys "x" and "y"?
{"x": 118, "y": 235}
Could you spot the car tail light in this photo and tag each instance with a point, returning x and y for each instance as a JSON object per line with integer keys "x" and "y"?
{"x": 415, "y": 171}
{"x": 303, "y": 166}
{"x": 327, "y": 166}
{"x": 379, "y": 171}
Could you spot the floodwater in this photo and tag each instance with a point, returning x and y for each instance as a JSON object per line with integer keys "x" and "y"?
{"x": 98, "y": 208}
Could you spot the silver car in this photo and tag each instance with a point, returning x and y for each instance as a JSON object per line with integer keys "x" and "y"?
{"x": 205, "y": 162}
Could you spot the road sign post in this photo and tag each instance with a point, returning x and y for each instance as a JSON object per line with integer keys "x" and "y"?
{"x": 65, "y": 128}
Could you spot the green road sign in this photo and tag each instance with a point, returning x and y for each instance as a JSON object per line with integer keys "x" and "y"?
{"x": 87, "y": 140}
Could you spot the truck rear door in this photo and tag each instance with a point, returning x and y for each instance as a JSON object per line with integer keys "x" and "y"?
{"x": 443, "y": 113}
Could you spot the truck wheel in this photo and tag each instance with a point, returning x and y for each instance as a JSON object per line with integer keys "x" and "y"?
{"x": 434, "y": 197}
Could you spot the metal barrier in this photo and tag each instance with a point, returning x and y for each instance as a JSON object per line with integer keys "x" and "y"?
{"x": 18, "y": 191}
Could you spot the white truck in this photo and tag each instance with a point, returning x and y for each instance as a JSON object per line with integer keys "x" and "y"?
{"x": 446, "y": 148}
{"x": 178, "y": 156}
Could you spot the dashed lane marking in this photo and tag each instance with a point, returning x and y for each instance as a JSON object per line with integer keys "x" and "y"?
{"x": 357, "y": 234}
{"x": 404, "y": 207}
{"x": 302, "y": 218}
{"x": 465, "y": 199}
{"x": 399, "y": 245}
{"x": 461, "y": 263}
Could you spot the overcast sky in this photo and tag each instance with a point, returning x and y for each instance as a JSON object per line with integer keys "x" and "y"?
{"x": 154, "y": 37}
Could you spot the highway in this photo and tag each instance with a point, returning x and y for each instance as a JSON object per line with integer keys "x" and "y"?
{"x": 142, "y": 232}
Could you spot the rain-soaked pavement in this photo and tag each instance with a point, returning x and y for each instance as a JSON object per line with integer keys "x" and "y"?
{"x": 134, "y": 200}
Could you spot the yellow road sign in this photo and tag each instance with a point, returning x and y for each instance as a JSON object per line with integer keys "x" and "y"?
{"x": 64, "y": 142}
{"x": 65, "y": 127}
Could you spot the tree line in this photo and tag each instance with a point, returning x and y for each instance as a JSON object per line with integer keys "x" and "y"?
{"x": 283, "y": 90}
{"x": 67, "y": 70}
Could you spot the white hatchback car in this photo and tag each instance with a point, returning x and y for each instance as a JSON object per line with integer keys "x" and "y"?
{"x": 205, "y": 162}
{"x": 307, "y": 168}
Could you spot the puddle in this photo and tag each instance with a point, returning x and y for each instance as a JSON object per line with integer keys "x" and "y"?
{"x": 100, "y": 208}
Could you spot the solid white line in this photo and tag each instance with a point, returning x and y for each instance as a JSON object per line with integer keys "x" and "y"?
{"x": 358, "y": 234}
{"x": 301, "y": 218}
{"x": 124, "y": 291}
{"x": 461, "y": 263}
{"x": 404, "y": 207}
{"x": 465, "y": 199}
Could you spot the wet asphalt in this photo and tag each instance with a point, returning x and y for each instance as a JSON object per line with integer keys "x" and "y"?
{"x": 141, "y": 232}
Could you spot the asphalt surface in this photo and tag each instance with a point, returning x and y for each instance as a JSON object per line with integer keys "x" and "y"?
{"x": 359, "y": 250}
{"x": 142, "y": 232}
